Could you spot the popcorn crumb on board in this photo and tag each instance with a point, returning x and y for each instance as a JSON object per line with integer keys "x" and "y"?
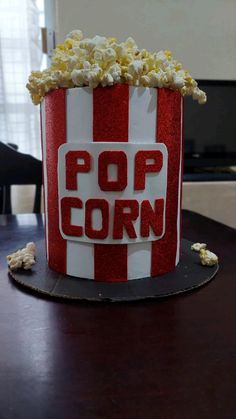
{"x": 208, "y": 258}
{"x": 198, "y": 246}
{"x": 105, "y": 62}
{"x": 23, "y": 258}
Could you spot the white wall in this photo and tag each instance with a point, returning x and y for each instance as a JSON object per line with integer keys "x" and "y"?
{"x": 200, "y": 33}
{"x": 210, "y": 198}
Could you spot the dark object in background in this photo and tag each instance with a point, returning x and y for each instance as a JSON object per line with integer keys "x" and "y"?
{"x": 18, "y": 169}
{"x": 210, "y": 133}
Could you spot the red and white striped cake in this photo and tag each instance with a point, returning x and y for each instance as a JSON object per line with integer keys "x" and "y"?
{"x": 112, "y": 181}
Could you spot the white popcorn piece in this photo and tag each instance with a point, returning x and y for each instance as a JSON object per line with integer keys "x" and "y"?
{"x": 130, "y": 43}
{"x": 208, "y": 258}
{"x": 115, "y": 72}
{"x": 109, "y": 55}
{"x": 77, "y": 35}
{"x": 178, "y": 81}
{"x": 23, "y": 258}
{"x": 77, "y": 77}
{"x": 107, "y": 80}
{"x": 198, "y": 246}
{"x": 135, "y": 68}
{"x": 96, "y": 41}
{"x": 31, "y": 247}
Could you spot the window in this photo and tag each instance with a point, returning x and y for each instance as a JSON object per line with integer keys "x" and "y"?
{"x": 20, "y": 53}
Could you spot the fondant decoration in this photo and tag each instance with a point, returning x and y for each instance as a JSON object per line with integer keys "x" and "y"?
{"x": 110, "y": 114}
{"x": 123, "y": 219}
{"x": 73, "y": 167}
{"x": 67, "y": 203}
{"x": 106, "y": 159}
{"x": 142, "y": 167}
{"x": 165, "y": 253}
{"x": 99, "y": 121}
{"x": 135, "y": 179}
{"x": 152, "y": 218}
{"x": 90, "y": 230}
{"x": 54, "y": 134}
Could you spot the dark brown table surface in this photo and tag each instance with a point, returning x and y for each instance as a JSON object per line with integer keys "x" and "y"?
{"x": 174, "y": 358}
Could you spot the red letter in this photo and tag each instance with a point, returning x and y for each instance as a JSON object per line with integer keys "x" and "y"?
{"x": 141, "y": 168}
{"x": 112, "y": 157}
{"x": 124, "y": 219}
{"x": 103, "y": 206}
{"x": 150, "y": 218}
{"x": 73, "y": 167}
{"x": 67, "y": 227}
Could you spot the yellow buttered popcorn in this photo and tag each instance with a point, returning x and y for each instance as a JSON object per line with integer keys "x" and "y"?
{"x": 208, "y": 258}
{"x": 103, "y": 61}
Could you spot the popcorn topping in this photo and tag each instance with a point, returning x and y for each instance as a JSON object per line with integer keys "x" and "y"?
{"x": 24, "y": 258}
{"x": 103, "y": 61}
{"x": 208, "y": 258}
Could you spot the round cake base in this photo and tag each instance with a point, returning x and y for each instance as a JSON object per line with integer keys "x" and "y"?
{"x": 188, "y": 275}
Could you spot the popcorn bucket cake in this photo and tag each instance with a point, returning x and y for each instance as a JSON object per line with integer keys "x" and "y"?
{"x": 112, "y": 139}
{"x": 112, "y": 179}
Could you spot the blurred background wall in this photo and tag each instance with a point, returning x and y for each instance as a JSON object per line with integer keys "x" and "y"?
{"x": 200, "y": 33}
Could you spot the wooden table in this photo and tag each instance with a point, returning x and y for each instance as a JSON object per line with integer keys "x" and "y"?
{"x": 174, "y": 358}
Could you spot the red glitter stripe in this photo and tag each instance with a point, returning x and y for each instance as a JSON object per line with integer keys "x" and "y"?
{"x": 110, "y": 262}
{"x": 44, "y": 206}
{"x": 110, "y": 113}
{"x": 55, "y": 107}
{"x": 169, "y": 133}
{"x": 182, "y": 174}
{"x": 110, "y": 123}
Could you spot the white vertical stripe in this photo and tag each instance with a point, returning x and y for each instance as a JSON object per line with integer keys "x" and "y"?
{"x": 179, "y": 188}
{"x": 139, "y": 260}
{"x": 142, "y": 114}
{"x": 79, "y": 108}
{"x": 142, "y": 129}
{"x": 80, "y": 257}
{"x": 45, "y": 185}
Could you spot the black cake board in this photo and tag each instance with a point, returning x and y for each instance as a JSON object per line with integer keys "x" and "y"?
{"x": 188, "y": 275}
